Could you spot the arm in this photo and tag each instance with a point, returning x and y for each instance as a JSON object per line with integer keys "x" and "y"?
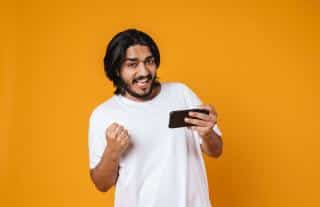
{"x": 204, "y": 124}
{"x": 105, "y": 174}
{"x": 212, "y": 146}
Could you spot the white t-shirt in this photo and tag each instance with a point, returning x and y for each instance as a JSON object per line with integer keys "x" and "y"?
{"x": 164, "y": 167}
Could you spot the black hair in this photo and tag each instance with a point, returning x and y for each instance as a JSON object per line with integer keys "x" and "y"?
{"x": 116, "y": 53}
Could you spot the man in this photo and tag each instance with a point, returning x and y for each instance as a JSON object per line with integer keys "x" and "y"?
{"x": 130, "y": 143}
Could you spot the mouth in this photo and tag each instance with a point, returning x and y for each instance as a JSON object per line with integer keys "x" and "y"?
{"x": 143, "y": 83}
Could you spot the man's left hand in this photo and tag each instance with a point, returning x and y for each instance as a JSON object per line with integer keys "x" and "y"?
{"x": 203, "y": 122}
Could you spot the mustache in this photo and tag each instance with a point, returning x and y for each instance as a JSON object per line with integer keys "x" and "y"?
{"x": 148, "y": 77}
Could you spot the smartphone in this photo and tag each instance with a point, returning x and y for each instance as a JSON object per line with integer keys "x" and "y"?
{"x": 176, "y": 118}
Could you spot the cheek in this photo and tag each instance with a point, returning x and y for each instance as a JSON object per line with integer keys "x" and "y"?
{"x": 153, "y": 72}
{"x": 127, "y": 77}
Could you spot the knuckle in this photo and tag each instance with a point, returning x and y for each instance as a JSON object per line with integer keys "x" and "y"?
{"x": 123, "y": 142}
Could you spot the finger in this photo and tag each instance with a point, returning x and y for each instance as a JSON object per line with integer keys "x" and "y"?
{"x": 123, "y": 134}
{"x": 214, "y": 111}
{"x": 201, "y": 130}
{"x": 198, "y": 115}
{"x": 124, "y": 139}
{"x": 117, "y": 130}
{"x": 198, "y": 128}
{"x": 112, "y": 130}
{"x": 209, "y": 107}
{"x": 127, "y": 133}
{"x": 128, "y": 143}
{"x": 122, "y": 142}
{"x": 213, "y": 118}
{"x": 120, "y": 134}
{"x": 197, "y": 122}
{"x": 110, "y": 127}
{"x": 125, "y": 143}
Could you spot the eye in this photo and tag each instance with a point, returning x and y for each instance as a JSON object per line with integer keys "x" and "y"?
{"x": 150, "y": 61}
{"x": 132, "y": 65}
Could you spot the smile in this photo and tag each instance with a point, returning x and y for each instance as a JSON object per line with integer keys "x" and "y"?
{"x": 143, "y": 82}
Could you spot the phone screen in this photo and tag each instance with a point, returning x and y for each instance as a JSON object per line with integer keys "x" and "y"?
{"x": 176, "y": 118}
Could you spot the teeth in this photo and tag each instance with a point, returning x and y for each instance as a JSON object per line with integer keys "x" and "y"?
{"x": 143, "y": 81}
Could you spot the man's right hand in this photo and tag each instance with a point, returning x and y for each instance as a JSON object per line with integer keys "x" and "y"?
{"x": 105, "y": 174}
{"x": 117, "y": 139}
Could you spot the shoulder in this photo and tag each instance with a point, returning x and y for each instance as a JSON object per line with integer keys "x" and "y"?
{"x": 180, "y": 86}
{"x": 100, "y": 110}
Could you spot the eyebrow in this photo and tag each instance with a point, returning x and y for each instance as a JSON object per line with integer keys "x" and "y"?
{"x": 136, "y": 59}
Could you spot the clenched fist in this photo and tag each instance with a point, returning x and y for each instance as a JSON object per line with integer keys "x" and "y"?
{"x": 117, "y": 138}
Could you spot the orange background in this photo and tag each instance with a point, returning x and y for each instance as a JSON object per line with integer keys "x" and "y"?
{"x": 257, "y": 63}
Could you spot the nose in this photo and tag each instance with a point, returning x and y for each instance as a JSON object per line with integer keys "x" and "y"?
{"x": 143, "y": 70}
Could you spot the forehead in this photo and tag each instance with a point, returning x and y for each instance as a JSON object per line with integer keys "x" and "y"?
{"x": 138, "y": 51}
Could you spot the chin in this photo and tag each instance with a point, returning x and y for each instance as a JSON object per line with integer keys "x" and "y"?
{"x": 142, "y": 94}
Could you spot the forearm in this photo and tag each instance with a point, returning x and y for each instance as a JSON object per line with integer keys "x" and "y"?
{"x": 105, "y": 174}
{"x": 212, "y": 145}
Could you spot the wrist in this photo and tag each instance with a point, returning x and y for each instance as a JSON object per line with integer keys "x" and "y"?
{"x": 114, "y": 154}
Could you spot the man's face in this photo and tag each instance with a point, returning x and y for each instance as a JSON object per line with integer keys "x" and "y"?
{"x": 138, "y": 72}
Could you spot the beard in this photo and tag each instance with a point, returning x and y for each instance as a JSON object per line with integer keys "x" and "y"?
{"x": 143, "y": 96}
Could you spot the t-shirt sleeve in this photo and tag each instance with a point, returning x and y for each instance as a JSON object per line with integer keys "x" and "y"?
{"x": 96, "y": 141}
{"x": 193, "y": 101}
{"x": 191, "y": 98}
